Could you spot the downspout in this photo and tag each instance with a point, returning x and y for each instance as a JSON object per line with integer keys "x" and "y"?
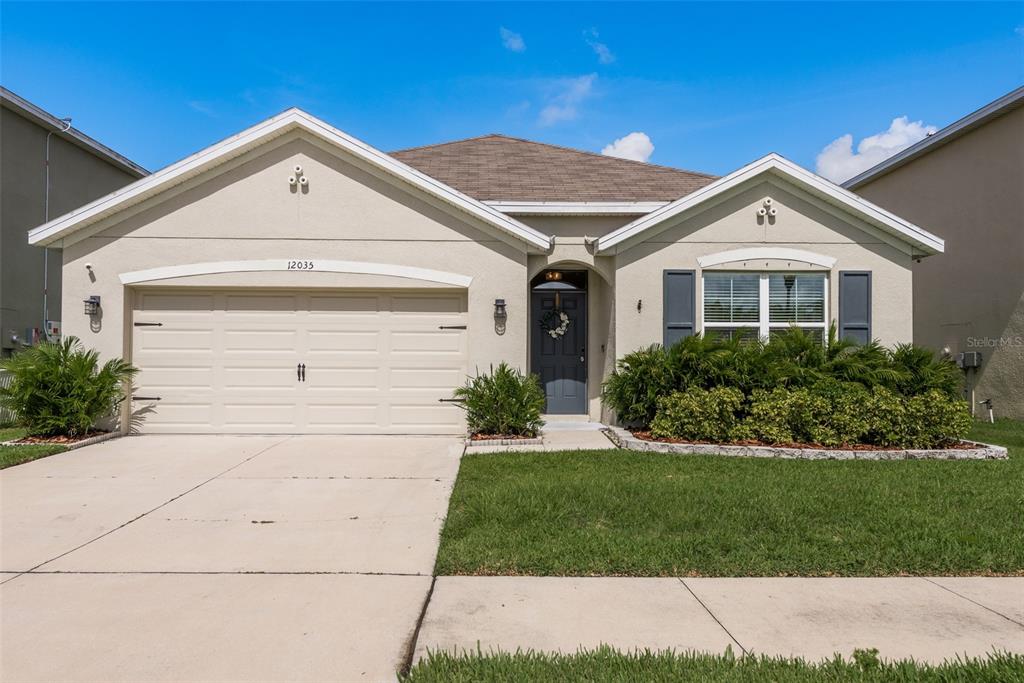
{"x": 46, "y": 219}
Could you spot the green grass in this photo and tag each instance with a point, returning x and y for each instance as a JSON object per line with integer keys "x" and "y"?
{"x": 15, "y": 455}
{"x": 626, "y": 513}
{"x": 608, "y": 665}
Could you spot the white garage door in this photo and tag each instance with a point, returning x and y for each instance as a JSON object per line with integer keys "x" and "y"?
{"x": 244, "y": 361}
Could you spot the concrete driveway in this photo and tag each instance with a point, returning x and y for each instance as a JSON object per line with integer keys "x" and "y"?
{"x": 230, "y": 558}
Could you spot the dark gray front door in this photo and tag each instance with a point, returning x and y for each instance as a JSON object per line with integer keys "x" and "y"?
{"x": 561, "y": 362}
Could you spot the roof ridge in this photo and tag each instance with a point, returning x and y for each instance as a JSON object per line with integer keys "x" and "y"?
{"x": 449, "y": 142}
{"x": 561, "y": 147}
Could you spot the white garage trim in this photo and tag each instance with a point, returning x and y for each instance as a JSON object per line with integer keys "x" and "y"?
{"x": 766, "y": 253}
{"x": 312, "y": 265}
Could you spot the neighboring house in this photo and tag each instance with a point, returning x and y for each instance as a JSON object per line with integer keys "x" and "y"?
{"x": 966, "y": 183}
{"x": 47, "y": 168}
{"x": 294, "y": 279}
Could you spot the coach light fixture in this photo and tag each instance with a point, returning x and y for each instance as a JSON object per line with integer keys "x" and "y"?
{"x": 500, "y": 311}
{"x": 92, "y": 305}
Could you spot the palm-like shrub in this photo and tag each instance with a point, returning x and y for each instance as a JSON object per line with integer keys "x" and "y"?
{"x": 920, "y": 371}
{"x": 61, "y": 388}
{"x": 792, "y": 359}
{"x": 640, "y": 379}
{"x": 504, "y": 402}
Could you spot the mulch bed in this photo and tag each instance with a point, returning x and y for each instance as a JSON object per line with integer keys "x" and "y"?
{"x": 646, "y": 436}
{"x": 57, "y": 440}
{"x": 497, "y": 437}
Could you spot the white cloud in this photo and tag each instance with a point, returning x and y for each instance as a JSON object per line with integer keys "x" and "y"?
{"x": 635, "y": 146}
{"x": 604, "y": 54}
{"x": 563, "y": 106}
{"x": 839, "y": 163}
{"x": 512, "y": 40}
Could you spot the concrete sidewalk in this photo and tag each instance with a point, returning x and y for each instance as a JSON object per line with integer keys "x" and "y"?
{"x": 929, "y": 619}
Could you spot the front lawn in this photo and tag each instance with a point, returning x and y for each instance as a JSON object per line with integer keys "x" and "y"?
{"x": 15, "y": 455}
{"x": 626, "y": 513}
{"x": 608, "y": 665}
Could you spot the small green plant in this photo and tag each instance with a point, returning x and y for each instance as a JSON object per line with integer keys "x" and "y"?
{"x": 502, "y": 402}
{"x": 61, "y": 388}
{"x": 698, "y": 414}
{"x": 640, "y": 379}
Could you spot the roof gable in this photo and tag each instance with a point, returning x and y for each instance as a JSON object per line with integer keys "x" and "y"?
{"x": 498, "y": 168}
{"x": 252, "y": 138}
{"x": 975, "y": 119}
{"x": 917, "y": 238}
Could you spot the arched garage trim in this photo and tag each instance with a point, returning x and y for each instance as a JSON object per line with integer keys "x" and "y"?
{"x": 765, "y": 254}
{"x": 298, "y": 265}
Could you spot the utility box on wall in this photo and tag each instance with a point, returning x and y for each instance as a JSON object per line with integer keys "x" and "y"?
{"x": 968, "y": 359}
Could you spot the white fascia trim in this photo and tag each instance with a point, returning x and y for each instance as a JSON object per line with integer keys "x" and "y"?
{"x": 249, "y": 139}
{"x": 858, "y": 206}
{"x": 576, "y": 208}
{"x": 318, "y": 265}
{"x": 938, "y": 138}
{"x": 48, "y": 120}
{"x": 766, "y": 253}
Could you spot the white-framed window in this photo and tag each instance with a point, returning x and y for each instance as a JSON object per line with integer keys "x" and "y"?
{"x": 748, "y": 305}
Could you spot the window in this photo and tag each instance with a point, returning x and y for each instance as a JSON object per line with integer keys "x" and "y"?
{"x": 742, "y": 305}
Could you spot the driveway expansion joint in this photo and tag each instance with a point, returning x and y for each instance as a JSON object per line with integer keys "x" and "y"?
{"x": 410, "y": 652}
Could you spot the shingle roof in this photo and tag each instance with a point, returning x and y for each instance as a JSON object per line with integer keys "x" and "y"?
{"x": 501, "y": 168}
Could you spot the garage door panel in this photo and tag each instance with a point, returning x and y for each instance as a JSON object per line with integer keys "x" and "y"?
{"x": 347, "y": 306}
{"x": 425, "y": 305}
{"x": 330, "y": 379}
{"x": 376, "y": 362}
{"x": 332, "y": 341}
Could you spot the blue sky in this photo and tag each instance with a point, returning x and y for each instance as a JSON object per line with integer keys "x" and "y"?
{"x": 712, "y": 86}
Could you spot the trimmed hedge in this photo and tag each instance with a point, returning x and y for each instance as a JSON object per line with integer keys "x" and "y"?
{"x": 829, "y": 414}
{"x": 790, "y": 360}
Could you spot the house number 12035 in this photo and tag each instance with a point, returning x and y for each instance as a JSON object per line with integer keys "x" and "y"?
{"x": 300, "y": 265}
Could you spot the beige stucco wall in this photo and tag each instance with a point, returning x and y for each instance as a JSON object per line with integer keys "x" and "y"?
{"x": 971, "y": 298}
{"x": 77, "y": 176}
{"x": 249, "y": 212}
{"x": 802, "y": 223}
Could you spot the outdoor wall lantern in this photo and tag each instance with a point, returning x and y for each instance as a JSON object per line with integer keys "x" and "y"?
{"x": 500, "y": 316}
{"x": 92, "y": 305}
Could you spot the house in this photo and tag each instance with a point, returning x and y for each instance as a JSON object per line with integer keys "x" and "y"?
{"x": 48, "y": 168}
{"x": 292, "y": 278}
{"x": 966, "y": 183}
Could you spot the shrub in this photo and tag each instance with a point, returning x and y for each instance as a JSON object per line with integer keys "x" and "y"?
{"x": 503, "y": 402}
{"x": 830, "y": 414}
{"x": 61, "y": 389}
{"x": 791, "y": 359}
{"x": 698, "y": 414}
{"x": 922, "y": 371}
{"x": 639, "y": 380}
{"x": 930, "y": 420}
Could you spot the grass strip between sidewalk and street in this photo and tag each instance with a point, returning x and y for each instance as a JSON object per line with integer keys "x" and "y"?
{"x": 606, "y": 664}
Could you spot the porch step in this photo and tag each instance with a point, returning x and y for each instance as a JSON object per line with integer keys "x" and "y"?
{"x": 570, "y": 423}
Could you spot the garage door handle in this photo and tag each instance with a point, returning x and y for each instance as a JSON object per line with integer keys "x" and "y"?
{"x": 301, "y": 370}
{"x": 451, "y": 327}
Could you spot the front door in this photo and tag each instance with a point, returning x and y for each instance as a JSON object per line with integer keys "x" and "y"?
{"x": 560, "y": 359}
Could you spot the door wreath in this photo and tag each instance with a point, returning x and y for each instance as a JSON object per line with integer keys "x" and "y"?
{"x": 555, "y": 322}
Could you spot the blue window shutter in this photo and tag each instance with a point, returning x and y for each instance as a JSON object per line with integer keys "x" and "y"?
{"x": 855, "y": 305}
{"x": 680, "y": 314}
